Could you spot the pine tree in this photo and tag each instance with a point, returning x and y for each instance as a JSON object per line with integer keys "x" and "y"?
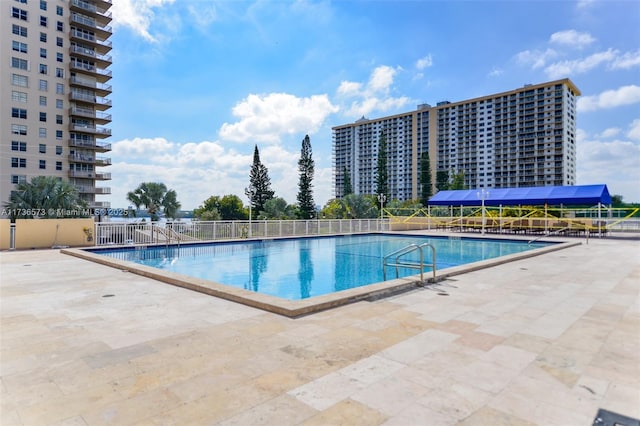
{"x": 425, "y": 178}
{"x": 347, "y": 188}
{"x": 382, "y": 186}
{"x": 306, "y": 205}
{"x": 260, "y": 184}
{"x": 442, "y": 180}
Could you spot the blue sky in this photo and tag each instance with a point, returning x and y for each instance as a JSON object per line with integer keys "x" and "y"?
{"x": 196, "y": 84}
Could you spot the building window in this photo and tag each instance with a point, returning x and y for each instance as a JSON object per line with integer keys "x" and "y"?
{"x": 43, "y": 164}
{"x": 58, "y": 119}
{"x": 19, "y": 46}
{"x": 19, "y": 80}
{"x": 59, "y": 42}
{"x": 19, "y": 13}
{"x": 43, "y": 21}
{"x": 18, "y": 113}
{"x": 19, "y": 129}
{"x": 42, "y": 148}
{"x": 58, "y": 165}
{"x": 59, "y": 11}
{"x": 22, "y": 64}
{"x": 43, "y": 101}
{"x": 59, "y": 104}
{"x": 59, "y": 135}
{"x": 18, "y": 179}
{"x": 59, "y": 57}
{"x": 19, "y": 162}
{"x": 43, "y": 117}
{"x": 43, "y": 85}
{"x": 43, "y": 37}
{"x": 59, "y": 26}
{"x": 43, "y": 52}
{"x": 42, "y": 132}
{"x": 18, "y": 96}
{"x": 59, "y": 72}
{"x": 43, "y": 5}
{"x": 43, "y": 69}
{"x": 59, "y": 88}
{"x": 18, "y": 146}
{"x": 19, "y": 30}
{"x": 58, "y": 149}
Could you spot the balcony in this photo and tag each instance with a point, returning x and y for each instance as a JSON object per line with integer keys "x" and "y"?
{"x": 92, "y": 24}
{"x": 98, "y": 116}
{"x": 101, "y": 75}
{"x": 100, "y": 89}
{"x": 101, "y": 60}
{"x": 101, "y": 46}
{"x": 100, "y": 102}
{"x": 101, "y": 14}
{"x": 86, "y": 174}
{"x": 88, "y": 159}
{"x": 102, "y": 132}
{"x": 90, "y": 144}
{"x": 100, "y": 204}
{"x": 85, "y": 189}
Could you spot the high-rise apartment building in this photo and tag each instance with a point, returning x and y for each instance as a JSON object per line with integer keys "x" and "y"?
{"x": 523, "y": 137}
{"x": 53, "y": 93}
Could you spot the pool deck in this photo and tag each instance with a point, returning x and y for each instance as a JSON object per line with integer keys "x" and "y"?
{"x": 545, "y": 340}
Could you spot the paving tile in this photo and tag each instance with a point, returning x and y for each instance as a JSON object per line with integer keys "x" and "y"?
{"x": 494, "y": 417}
{"x": 390, "y": 396}
{"x": 327, "y": 391}
{"x": 346, "y": 412}
{"x": 284, "y": 410}
{"x": 414, "y": 348}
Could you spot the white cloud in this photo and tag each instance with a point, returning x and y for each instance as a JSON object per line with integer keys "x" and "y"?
{"x": 375, "y": 95}
{"x": 535, "y": 58}
{"x": 496, "y": 72}
{"x": 425, "y": 62}
{"x": 609, "y": 133}
{"x": 572, "y": 38}
{"x": 203, "y": 14}
{"x": 583, "y": 4}
{"x": 141, "y": 147}
{"x": 578, "y": 66}
{"x": 197, "y": 170}
{"x": 137, "y": 15}
{"x": 626, "y": 61}
{"x": 266, "y": 118}
{"x": 615, "y": 163}
{"x": 625, "y": 95}
{"x": 634, "y": 130}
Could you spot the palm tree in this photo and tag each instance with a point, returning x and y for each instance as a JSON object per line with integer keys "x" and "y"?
{"x": 48, "y": 197}
{"x": 155, "y": 197}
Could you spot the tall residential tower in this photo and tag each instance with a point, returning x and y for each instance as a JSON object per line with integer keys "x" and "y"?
{"x": 524, "y": 137}
{"x": 53, "y": 93}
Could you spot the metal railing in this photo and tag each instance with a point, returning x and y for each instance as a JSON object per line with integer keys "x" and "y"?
{"x": 399, "y": 263}
{"x": 119, "y": 233}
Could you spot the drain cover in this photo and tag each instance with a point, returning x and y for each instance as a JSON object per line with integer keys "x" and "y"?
{"x": 108, "y": 295}
{"x": 609, "y": 418}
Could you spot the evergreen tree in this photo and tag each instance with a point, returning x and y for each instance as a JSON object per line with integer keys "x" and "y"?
{"x": 442, "y": 180}
{"x": 260, "y": 184}
{"x": 457, "y": 181}
{"x": 346, "y": 185}
{"x": 382, "y": 186}
{"x": 306, "y": 205}
{"x": 425, "y": 178}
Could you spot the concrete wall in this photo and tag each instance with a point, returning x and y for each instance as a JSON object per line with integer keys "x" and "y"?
{"x": 5, "y": 229}
{"x": 46, "y": 233}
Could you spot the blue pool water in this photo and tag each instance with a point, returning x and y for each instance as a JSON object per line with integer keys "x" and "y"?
{"x": 305, "y": 267}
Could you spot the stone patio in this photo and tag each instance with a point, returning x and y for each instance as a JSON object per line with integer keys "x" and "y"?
{"x": 546, "y": 340}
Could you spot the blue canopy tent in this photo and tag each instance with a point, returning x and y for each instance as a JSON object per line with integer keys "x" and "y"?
{"x": 531, "y": 196}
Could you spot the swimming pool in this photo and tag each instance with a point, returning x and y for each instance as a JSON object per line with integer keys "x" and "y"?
{"x": 301, "y": 268}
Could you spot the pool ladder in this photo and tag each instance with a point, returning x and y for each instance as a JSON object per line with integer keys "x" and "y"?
{"x": 399, "y": 263}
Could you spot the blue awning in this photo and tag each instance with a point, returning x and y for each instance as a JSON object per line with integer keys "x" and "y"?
{"x": 531, "y": 196}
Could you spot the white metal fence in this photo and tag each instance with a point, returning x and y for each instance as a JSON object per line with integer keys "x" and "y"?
{"x": 117, "y": 233}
